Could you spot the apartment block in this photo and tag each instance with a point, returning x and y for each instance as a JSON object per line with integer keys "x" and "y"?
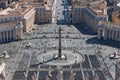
{"x": 89, "y": 13}
{"x": 19, "y": 12}
{"x": 43, "y": 14}
{"x": 3, "y": 4}
{"x": 43, "y": 11}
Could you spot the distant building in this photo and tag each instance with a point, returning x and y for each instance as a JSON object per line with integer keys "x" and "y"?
{"x": 43, "y": 14}
{"x": 111, "y": 6}
{"x": 108, "y": 30}
{"x": 28, "y": 17}
{"x": 26, "y": 12}
{"x": 19, "y": 12}
{"x": 40, "y": 1}
{"x": 116, "y": 17}
{"x": 89, "y": 14}
{"x": 43, "y": 11}
{"x": 10, "y": 31}
{"x": 3, "y": 4}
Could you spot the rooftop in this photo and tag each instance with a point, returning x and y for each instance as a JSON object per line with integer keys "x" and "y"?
{"x": 98, "y": 7}
{"x": 20, "y": 8}
{"x": 19, "y": 11}
{"x": 8, "y": 25}
{"x": 77, "y": 3}
{"x": 108, "y": 24}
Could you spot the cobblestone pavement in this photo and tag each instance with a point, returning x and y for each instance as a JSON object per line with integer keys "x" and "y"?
{"x": 23, "y": 54}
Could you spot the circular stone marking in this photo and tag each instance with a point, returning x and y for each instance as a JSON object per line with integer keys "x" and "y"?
{"x": 71, "y": 58}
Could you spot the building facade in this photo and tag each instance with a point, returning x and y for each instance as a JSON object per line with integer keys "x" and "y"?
{"x": 89, "y": 14}
{"x": 43, "y": 11}
{"x": 43, "y": 14}
{"x": 26, "y": 12}
{"x": 10, "y": 31}
{"x": 107, "y": 30}
{"x": 40, "y": 1}
{"x": 28, "y": 19}
{"x": 3, "y": 4}
{"x": 19, "y": 12}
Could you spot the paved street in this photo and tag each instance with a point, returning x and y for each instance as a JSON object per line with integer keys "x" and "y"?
{"x": 59, "y": 8}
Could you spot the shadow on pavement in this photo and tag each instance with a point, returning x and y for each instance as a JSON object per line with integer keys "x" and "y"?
{"x": 61, "y": 22}
{"x": 84, "y": 29}
{"x": 111, "y": 43}
{"x": 80, "y": 27}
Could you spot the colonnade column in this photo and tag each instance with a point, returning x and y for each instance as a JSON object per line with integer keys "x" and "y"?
{"x": 7, "y": 35}
{"x": 3, "y": 36}
{"x": 109, "y": 34}
{"x": 116, "y": 36}
{"x": 10, "y": 35}
{"x": 14, "y": 36}
{"x": 112, "y": 35}
{"x": 105, "y": 34}
{"x": 21, "y": 33}
{"x": 99, "y": 35}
